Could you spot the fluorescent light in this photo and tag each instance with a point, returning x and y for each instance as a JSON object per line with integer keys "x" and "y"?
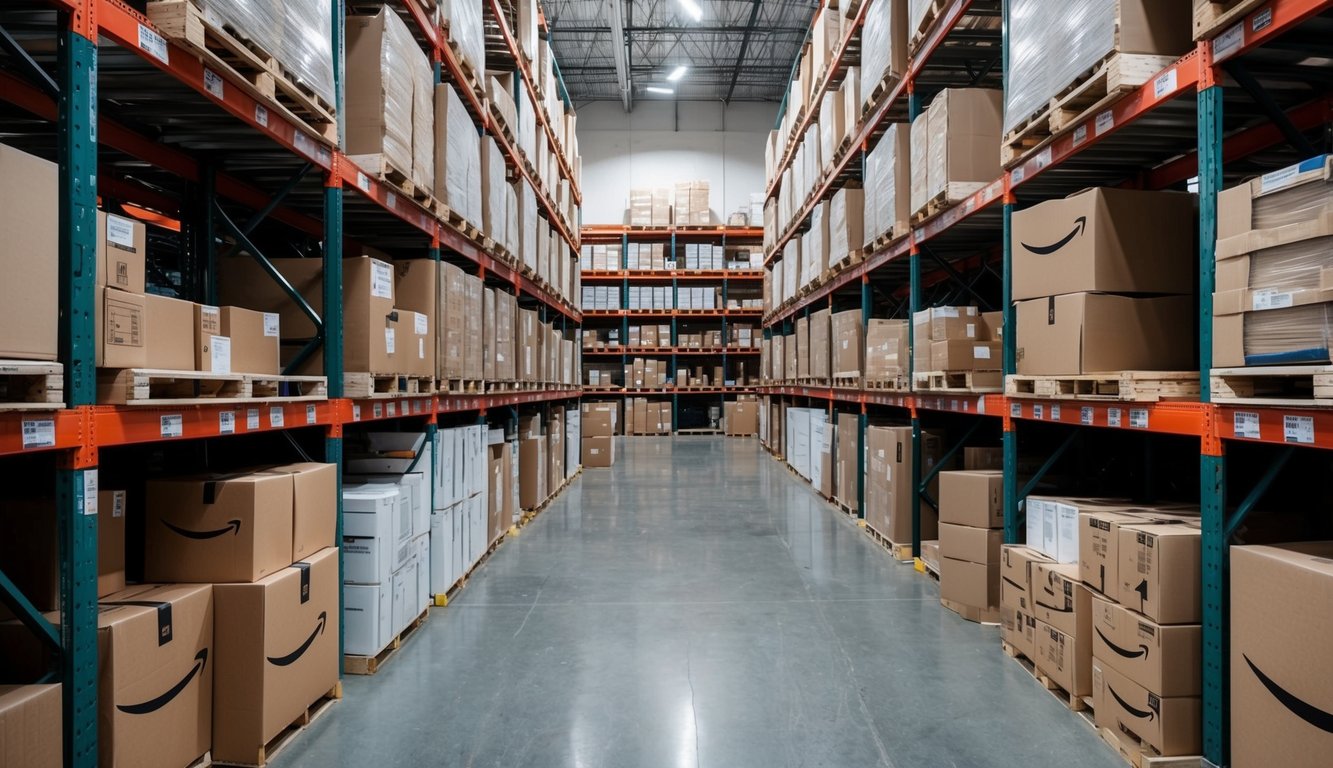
{"x": 693, "y": 9}
{"x": 659, "y": 89}
{"x": 678, "y": 73}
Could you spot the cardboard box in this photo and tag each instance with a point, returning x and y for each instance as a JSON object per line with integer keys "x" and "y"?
{"x": 847, "y": 344}
{"x": 170, "y": 328}
{"x": 122, "y": 338}
{"x": 964, "y": 128}
{"x": 255, "y": 338}
{"x": 1016, "y": 562}
{"x": 974, "y": 498}
{"x": 1280, "y": 680}
{"x": 886, "y": 349}
{"x": 1060, "y": 599}
{"x": 976, "y": 545}
{"x": 314, "y": 506}
{"x": 1159, "y": 572}
{"x": 156, "y": 658}
{"x": 216, "y": 528}
{"x": 983, "y": 457}
{"x": 1172, "y": 726}
{"x": 1089, "y": 333}
{"x": 598, "y": 451}
{"x": 598, "y": 423}
{"x": 531, "y": 472}
{"x": 1017, "y": 626}
{"x": 889, "y": 474}
{"x": 1066, "y": 659}
{"x": 277, "y": 653}
{"x": 29, "y": 547}
{"x": 29, "y": 294}
{"x": 1099, "y": 545}
{"x": 975, "y": 585}
{"x": 121, "y": 247}
{"x": 1165, "y": 659}
{"x": 30, "y": 730}
{"x": 965, "y": 355}
{"x": 1105, "y": 240}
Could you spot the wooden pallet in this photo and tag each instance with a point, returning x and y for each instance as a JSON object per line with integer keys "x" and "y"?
{"x": 954, "y": 192}
{"x": 698, "y": 431}
{"x": 147, "y": 386}
{"x": 369, "y": 665}
{"x": 898, "y": 384}
{"x": 29, "y": 386}
{"x": 1141, "y": 755}
{"x": 259, "y": 73}
{"x": 847, "y": 382}
{"x": 1212, "y": 18}
{"x": 1296, "y": 385}
{"x": 900, "y": 552}
{"x": 287, "y": 388}
{"x": 378, "y": 166}
{"x": 370, "y": 385}
{"x": 915, "y": 36}
{"x": 959, "y": 382}
{"x": 278, "y": 743}
{"x": 462, "y": 386}
{"x": 1115, "y": 386}
{"x": 1072, "y": 703}
{"x": 877, "y": 93}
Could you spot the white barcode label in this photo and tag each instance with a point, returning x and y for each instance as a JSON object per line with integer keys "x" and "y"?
{"x": 377, "y": 411}
{"x": 39, "y": 433}
{"x": 276, "y": 416}
{"x": 214, "y": 84}
{"x": 1138, "y": 418}
{"x": 381, "y": 280}
{"x": 1055, "y": 413}
{"x": 172, "y": 426}
{"x": 90, "y": 492}
{"x": 1164, "y": 84}
{"x": 154, "y": 44}
{"x": 1016, "y": 410}
{"x": 1298, "y": 429}
{"x": 392, "y": 410}
{"x": 420, "y": 324}
{"x": 1113, "y": 417}
{"x": 1080, "y": 134}
{"x": 389, "y": 341}
{"x": 1017, "y": 175}
{"x": 1085, "y": 416}
{"x": 356, "y": 412}
{"x": 1038, "y": 410}
{"x": 310, "y": 414}
{"x": 226, "y": 422}
{"x": 1230, "y": 41}
{"x": 271, "y": 324}
{"x": 363, "y": 181}
{"x": 261, "y": 115}
{"x": 252, "y": 418}
{"x": 1246, "y": 424}
{"x": 390, "y": 200}
{"x": 120, "y": 231}
{"x": 1105, "y": 121}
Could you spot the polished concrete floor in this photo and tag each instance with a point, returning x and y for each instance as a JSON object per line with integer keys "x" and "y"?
{"x": 696, "y": 605}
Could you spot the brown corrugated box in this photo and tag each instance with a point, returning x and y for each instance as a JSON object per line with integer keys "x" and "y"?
{"x": 972, "y": 497}
{"x": 1017, "y": 627}
{"x": 965, "y": 355}
{"x": 976, "y": 545}
{"x": 598, "y": 451}
{"x": 1016, "y": 569}
{"x": 1106, "y": 240}
{"x": 532, "y": 472}
{"x": 30, "y": 718}
{"x": 1059, "y": 598}
{"x": 1172, "y": 726}
{"x": 216, "y": 528}
{"x": 972, "y": 585}
{"x": 889, "y": 481}
{"x": 170, "y": 331}
{"x": 1065, "y": 658}
{"x": 1159, "y": 572}
{"x": 417, "y": 298}
{"x": 820, "y": 337}
{"x": 1281, "y": 676}
{"x": 1165, "y": 659}
{"x": 121, "y": 247}
{"x": 121, "y": 331}
{"x": 29, "y": 294}
{"x": 155, "y": 691}
{"x": 847, "y": 346}
{"x": 886, "y": 349}
{"x": 314, "y": 506}
{"x": 212, "y": 350}
{"x": 488, "y": 335}
{"x": 277, "y": 653}
{"x": 254, "y": 340}
{"x": 1088, "y": 333}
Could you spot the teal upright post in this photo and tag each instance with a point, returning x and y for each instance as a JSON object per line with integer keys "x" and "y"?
{"x": 76, "y": 478}
{"x": 1012, "y": 522}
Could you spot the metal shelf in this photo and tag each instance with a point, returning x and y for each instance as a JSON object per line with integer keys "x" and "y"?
{"x": 604, "y": 233}
{"x": 679, "y": 351}
{"x": 614, "y": 391}
{"x": 686, "y": 313}
{"x": 706, "y": 275}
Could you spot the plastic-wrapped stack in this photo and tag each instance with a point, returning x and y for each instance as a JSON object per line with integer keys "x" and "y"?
{"x": 846, "y": 223}
{"x": 493, "y": 211}
{"x": 916, "y": 13}
{"x": 298, "y": 33}
{"x": 381, "y": 56}
{"x": 457, "y": 155}
{"x": 463, "y": 18}
{"x": 527, "y": 222}
{"x": 831, "y": 125}
{"x": 920, "y": 145}
{"x": 423, "y": 123}
{"x": 883, "y": 43}
{"x": 527, "y": 125}
{"x": 511, "y": 236}
{"x": 791, "y": 267}
{"x": 964, "y": 129}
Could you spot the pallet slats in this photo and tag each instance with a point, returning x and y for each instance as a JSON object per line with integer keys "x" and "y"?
{"x": 1211, "y": 18}
{"x": 959, "y": 382}
{"x": 26, "y": 386}
{"x": 1118, "y": 386}
{"x": 369, "y": 665}
{"x": 273, "y": 748}
{"x": 371, "y": 385}
{"x": 1296, "y": 385}
{"x": 148, "y": 386}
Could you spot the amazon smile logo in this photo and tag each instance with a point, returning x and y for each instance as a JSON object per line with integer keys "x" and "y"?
{"x": 233, "y": 526}
{"x": 1125, "y": 652}
{"x": 1142, "y": 714}
{"x": 1298, "y": 707}
{"x": 1045, "y": 250}
{"x": 152, "y": 705}
{"x": 283, "y": 661}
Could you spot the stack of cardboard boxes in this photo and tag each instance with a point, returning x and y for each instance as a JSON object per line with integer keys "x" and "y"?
{"x": 1274, "y": 285}
{"x": 599, "y": 429}
{"x": 741, "y": 416}
{"x": 886, "y": 360}
{"x": 971, "y": 529}
{"x": 953, "y": 146}
{"x": 889, "y": 475}
{"x": 649, "y": 208}
{"x": 1102, "y": 281}
{"x": 693, "y": 207}
{"x": 647, "y": 417}
{"x": 950, "y": 339}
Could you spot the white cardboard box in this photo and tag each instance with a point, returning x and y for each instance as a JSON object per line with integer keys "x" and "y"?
{"x": 404, "y": 596}
{"x": 367, "y": 610}
{"x": 441, "y": 560}
{"x": 370, "y": 548}
{"x": 422, "y": 545}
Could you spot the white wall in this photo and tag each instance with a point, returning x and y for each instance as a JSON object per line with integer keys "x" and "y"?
{"x": 723, "y": 145}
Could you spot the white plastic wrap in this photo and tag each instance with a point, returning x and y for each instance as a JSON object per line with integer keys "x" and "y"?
{"x": 493, "y": 211}
{"x": 1292, "y": 334}
{"x": 527, "y": 125}
{"x": 466, "y": 32}
{"x": 423, "y": 121}
{"x": 875, "y": 43}
{"x": 457, "y": 155}
{"x": 814, "y": 161}
{"x": 878, "y": 184}
{"x": 851, "y": 99}
{"x": 298, "y": 33}
{"x": 920, "y": 142}
{"x": 791, "y": 266}
{"x": 830, "y": 125}
{"x": 1293, "y": 266}
{"x": 380, "y": 88}
{"x": 916, "y": 13}
{"x": 528, "y": 224}
{"x": 511, "y": 238}
{"x": 1289, "y": 206}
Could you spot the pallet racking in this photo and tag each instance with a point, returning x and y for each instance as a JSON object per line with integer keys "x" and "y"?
{"x": 1201, "y": 120}
{"x": 624, "y": 277}
{"x": 136, "y": 118}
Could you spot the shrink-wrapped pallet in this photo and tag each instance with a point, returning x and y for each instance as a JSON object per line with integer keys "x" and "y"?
{"x": 883, "y": 44}
{"x": 423, "y": 123}
{"x": 463, "y": 18}
{"x": 846, "y": 223}
{"x": 298, "y": 33}
{"x": 381, "y": 55}
{"x": 920, "y": 151}
{"x": 457, "y": 156}
{"x": 493, "y": 211}
{"x": 964, "y": 128}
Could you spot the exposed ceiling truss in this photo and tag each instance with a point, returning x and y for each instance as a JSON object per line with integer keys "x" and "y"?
{"x": 740, "y": 50}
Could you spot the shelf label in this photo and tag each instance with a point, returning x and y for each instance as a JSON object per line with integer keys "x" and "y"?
{"x": 261, "y": 115}
{"x": 1038, "y": 411}
{"x": 377, "y": 411}
{"x": 390, "y": 200}
{"x": 1080, "y": 134}
{"x": 1085, "y": 415}
{"x": 226, "y": 422}
{"x": 1164, "y": 84}
{"x": 1113, "y": 417}
{"x": 356, "y": 412}
{"x": 363, "y": 181}
{"x": 252, "y": 418}
{"x": 392, "y": 409}
{"x": 276, "y": 417}
{"x": 981, "y": 404}
{"x": 953, "y": 405}
{"x": 214, "y": 84}
{"x": 1017, "y": 175}
{"x": 381, "y": 280}
{"x": 90, "y": 493}
{"x": 1138, "y": 418}
{"x": 39, "y": 433}
{"x": 1262, "y": 19}
{"x": 1015, "y": 410}
{"x": 1298, "y": 429}
{"x": 1105, "y": 121}
{"x": 1055, "y": 413}
{"x": 310, "y": 414}
{"x": 1245, "y": 424}
{"x": 172, "y": 426}
{"x": 1229, "y": 42}
{"x": 154, "y": 44}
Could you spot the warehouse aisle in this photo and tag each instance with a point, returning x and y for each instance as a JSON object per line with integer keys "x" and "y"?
{"x": 697, "y": 605}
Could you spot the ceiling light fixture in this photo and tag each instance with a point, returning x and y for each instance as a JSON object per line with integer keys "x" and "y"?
{"x": 693, "y": 9}
{"x": 659, "y": 89}
{"x": 678, "y": 73}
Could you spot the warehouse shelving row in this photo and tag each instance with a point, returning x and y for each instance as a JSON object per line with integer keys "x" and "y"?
{"x": 1199, "y": 121}
{"x": 135, "y": 118}
{"x": 672, "y": 352}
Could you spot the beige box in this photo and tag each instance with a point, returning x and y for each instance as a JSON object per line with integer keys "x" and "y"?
{"x": 1065, "y": 658}
{"x": 1017, "y": 627}
{"x": 598, "y": 451}
{"x": 974, "y": 498}
{"x": 170, "y": 325}
{"x": 976, "y": 545}
{"x": 965, "y": 355}
{"x": 314, "y": 505}
{"x": 379, "y": 93}
{"x": 29, "y": 293}
{"x": 121, "y": 326}
{"x": 1059, "y": 599}
{"x": 1089, "y": 333}
{"x": 847, "y": 344}
{"x": 1164, "y": 659}
{"x": 1159, "y": 572}
{"x": 30, "y": 718}
{"x": 212, "y": 350}
{"x": 886, "y": 349}
{"x": 121, "y": 247}
{"x": 1172, "y": 726}
{"x": 254, "y": 340}
{"x": 975, "y": 585}
{"x": 820, "y": 337}
{"x": 1016, "y": 561}
{"x": 416, "y": 292}
{"x": 964, "y": 129}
